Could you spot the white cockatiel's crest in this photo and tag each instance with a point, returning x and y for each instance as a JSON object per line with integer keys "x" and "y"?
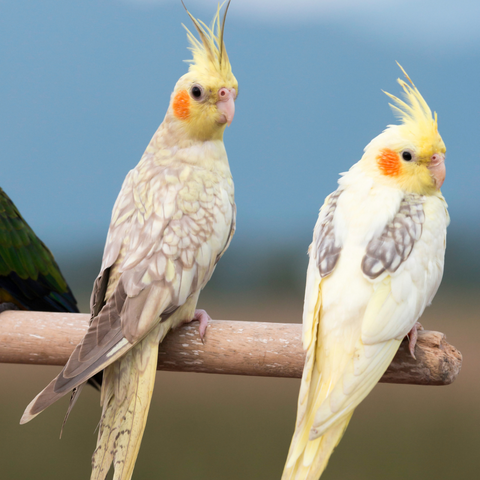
{"x": 417, "y": 137}
{"x": 415, "y": 112}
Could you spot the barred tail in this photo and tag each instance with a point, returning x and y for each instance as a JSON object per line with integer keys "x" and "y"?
{"x": 126, "y": 393}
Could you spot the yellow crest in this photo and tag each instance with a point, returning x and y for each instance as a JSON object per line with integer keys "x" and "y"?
{"x": 209, "y": 55}
{"x": 415, "y": 113}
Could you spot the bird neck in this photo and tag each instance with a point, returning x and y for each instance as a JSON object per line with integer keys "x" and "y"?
{"x": 170, "y": 145}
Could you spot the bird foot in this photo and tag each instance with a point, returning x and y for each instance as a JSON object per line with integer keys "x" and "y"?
{"x": 203, "y": 318}
{"x": 412, "y": 338}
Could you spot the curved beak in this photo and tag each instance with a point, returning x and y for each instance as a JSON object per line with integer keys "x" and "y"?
{"x": 437, "y": 168}
{"x": 226, "y": 105}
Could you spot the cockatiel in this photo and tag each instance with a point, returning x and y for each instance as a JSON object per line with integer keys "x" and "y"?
{"x": 376, "y": 262}
{"x": 172, "y": 221}
{"x": 29, "y": 276}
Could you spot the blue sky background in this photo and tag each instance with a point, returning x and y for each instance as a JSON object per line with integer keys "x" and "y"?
{"x": 84, "y": 85}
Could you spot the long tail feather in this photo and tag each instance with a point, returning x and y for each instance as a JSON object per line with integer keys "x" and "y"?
{"x": 50, "y": 394}
{"x": 313, "y": 461}
{"x": 319, "y": 429}
{"x": 73, "y": 400}
{"x": 126, "y": 393}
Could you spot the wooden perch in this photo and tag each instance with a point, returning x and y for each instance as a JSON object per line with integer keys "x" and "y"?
{"x": 233, "y": 348}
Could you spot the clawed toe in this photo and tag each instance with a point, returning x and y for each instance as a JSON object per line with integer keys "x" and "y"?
{"x": 203, "y": 318}
{"x": 412, "y": 338}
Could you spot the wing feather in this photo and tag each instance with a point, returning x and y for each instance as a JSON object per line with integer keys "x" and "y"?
{"x": 149, "y": 269}
{"x": 359, "y": 377}
{"x": 324, "y": 253}
{"x": 29, "y": 275}
{"x": 397, "y": 301}
{"x": 401, "y": 297}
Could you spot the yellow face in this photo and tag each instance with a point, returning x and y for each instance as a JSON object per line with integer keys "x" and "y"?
{"x": 205, "y": 107}
{"x": 416, "y": 164}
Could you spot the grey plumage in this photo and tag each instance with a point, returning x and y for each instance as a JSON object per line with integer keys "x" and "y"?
{"x": 394, "y": 245}
{"x": 327, "y": 246}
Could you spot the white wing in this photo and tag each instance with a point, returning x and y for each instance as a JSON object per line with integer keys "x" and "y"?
{"x": 401, "y": 297}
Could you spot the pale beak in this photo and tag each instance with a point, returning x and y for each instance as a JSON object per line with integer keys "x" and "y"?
{"x": 226, "y": 105}
{"x": 437, "y": 168}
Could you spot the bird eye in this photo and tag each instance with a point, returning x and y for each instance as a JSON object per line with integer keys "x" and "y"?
{"x": 196, "y": 92}
{"x": 407, "y": 156}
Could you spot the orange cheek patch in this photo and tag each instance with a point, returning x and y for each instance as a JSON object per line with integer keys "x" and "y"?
{"x": 181, "y": 105}
{"x": 389, "y": 162}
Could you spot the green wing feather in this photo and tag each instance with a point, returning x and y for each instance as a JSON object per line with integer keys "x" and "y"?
{"x": 29, "y": 275}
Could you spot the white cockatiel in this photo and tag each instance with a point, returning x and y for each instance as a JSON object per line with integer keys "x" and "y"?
{"x": 172, "y": 221}
{"x": 376, "y": 262}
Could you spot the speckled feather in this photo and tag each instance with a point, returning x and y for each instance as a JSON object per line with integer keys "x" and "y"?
{"x": 389, "y": 250}
{"x": 171, "y": 223}
{"x": 326, "y": 244}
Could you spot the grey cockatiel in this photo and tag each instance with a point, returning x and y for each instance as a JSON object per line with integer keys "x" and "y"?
{"x": 171, "y": 223}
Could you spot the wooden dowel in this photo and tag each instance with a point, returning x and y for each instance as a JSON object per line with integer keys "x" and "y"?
{"x": 231, "y": 347}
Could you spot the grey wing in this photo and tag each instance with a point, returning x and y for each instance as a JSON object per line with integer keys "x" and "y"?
{"x": 395, "y": 244}
{"x": 400, "y": 297}
{"x": 326, "y": 245}
{"x": 324, "y": 253}
{"x": 164, "y": 240}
